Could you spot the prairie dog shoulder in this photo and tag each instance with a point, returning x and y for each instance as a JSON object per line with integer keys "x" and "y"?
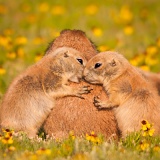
{"x": 132, "y": 96}
{"x": 32, "y": 95}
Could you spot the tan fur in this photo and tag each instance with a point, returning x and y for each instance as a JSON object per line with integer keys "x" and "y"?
{"x": 74, "y": 114}
{"x": 154, "y": 78}
{"x": 32, "y": 94}
{"x": 133, "y": 98}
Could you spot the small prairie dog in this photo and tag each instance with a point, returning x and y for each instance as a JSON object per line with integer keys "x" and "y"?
{"x": 32, "y": 95}
{"x": 75, "y": 114}
{"x": 129, "y": 94}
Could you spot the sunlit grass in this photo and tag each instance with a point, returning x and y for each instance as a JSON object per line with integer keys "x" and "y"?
{"x": 135, "y": 145}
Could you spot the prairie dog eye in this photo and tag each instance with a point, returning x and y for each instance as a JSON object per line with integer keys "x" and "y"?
{"x": 97, "y": 65}
{"x": 80, "y": 60}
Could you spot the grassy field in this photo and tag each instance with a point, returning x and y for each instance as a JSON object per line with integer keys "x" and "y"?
{"x": 27, "y": 27}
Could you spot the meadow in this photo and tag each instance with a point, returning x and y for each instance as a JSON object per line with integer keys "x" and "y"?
{"x": 27, "y": 27}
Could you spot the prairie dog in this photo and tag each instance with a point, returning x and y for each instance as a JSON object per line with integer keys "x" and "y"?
{"x": 75, "y": 114}
{"x": 32, "y": 95}
{"x": 131, "y": 96}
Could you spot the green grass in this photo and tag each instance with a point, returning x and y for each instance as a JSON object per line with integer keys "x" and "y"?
{"x": 27, "y": 27}
{"x": 134, "y": 146}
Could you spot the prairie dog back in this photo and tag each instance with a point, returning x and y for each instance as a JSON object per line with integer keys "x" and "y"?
{"x": 75, "y": 114}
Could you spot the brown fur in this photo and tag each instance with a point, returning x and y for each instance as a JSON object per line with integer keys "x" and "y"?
{"x": 133, "y": 98}
{"x": 32, "y": 95}
{"x": 73, "y": 114}
{"x": 75, "y": 39}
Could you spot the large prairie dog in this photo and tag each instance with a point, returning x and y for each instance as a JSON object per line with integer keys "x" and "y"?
{"x": 75, "y": 114}
{"x": 32, "y": 94}
{"x": 130, "y": 94}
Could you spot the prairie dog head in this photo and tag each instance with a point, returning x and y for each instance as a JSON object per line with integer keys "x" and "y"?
{"x": 71, "y": 61}
{"x": 103, "y": 66}
{"x": 75, "y": 39}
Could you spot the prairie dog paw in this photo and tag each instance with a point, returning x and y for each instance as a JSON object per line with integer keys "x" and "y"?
{"x": 98, "y": 103}
{"x": 84, "y": 90}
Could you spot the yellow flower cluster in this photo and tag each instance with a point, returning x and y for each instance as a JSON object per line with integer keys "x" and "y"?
{"x": 7, "y": 137}
{"x": 92, "y": 137}
{"x": 148, "y": 58}
{"x": 7, "y": 140}
{"x": 147, "y": 128}
{"x": 144, "y": 145}
{"x": 43, "y": 151}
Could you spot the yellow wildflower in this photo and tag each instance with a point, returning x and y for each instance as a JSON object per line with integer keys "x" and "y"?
{"x": 128, "y": 30}
{"x": 58, "y": 10}
{"x": 137, "y": 60}
{"x": 145, "y": 68}
{"x": 5, "y": 41}
{"x": 151, "y": 50}
{"x": 93, "y": 138}
{"x": 91, "y": 9}
{"x": 2, "y": 71}
{"x": 88, "y": 137}
{"x": 37, "y": 57}
{"x": 7, "y": 140}
{"x": 144, "y": 146}
{"x": 151, "y": 132}
{"x": 3, "y": 9}
{"x": 125, "y": 14}
{"x": 21, "y": 40}
{"x": 146, "y": 128}
{"x": 11, "y": 55}
{"x": 97, "y": 31}
{"x": 20, "y": 52}
{"x": 150, "y": 60}
{"x": 11, "y": 148}
{"x": 103, "y": 48}
{"x": 43, "y": 7}
{"x": 145, "y": 125}
{"x": 156, "y": 148}
{"x": 43, "y": 151}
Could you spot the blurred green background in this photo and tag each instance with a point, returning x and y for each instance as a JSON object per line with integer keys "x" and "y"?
{"x": 27, "y": 27}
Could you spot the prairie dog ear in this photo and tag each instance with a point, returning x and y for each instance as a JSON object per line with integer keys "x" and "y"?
{"x": 66, "y": 54}
{"x": 113, "y": 63}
